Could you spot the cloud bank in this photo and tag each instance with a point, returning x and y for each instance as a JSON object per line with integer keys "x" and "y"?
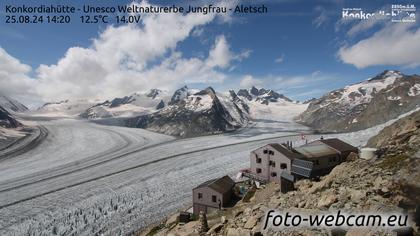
{"x": 394, "y": 44}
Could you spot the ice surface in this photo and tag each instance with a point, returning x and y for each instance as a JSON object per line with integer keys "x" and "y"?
{"x": 124, "y": 179}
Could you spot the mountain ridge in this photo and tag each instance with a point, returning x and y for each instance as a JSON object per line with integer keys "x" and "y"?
{"x": 12, "y": 105}
{"x": 204, "y": 112}
{"x": 364, "y": 104}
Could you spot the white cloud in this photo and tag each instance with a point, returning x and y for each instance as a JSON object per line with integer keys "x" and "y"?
{"x": 280, "y": 59}
{"x": 128, "y": 58}
{"x": 248, "y": 81}
{"x": 316, "y": 73}
{"x": 293, "y": 81}
{"x": 243, "y": 55}
{"x": 197, "y": 32}
{"x": 12, "y": 65}
{"x": 13, "y": 77}
{"x": 311, "y": 93}
{"x": 363, "y": 26}
{"x": 394, "y": 44}
{"x": 322, "y": 17}
{"x": 220, "y": 55}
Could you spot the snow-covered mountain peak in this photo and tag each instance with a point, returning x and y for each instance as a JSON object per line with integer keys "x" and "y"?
{"x": 153, "y": 93}
{"x": 135, "y": 104}
{"x": 207, "y": 91}
{"x": 179, "y": 95}
{"x": 364, "y": 104}
{"x": 387, "y": 74}
{"x": 66, "y": 107}
{"x": 362, "y": 92}
{"x": 199, "y": 101}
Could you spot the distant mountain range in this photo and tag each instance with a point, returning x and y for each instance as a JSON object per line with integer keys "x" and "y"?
{"x": 264, "y": 96}
{"x": 365, "y": 104}
{"x": 129, "y": 106}
{"x": 190, "y": 112}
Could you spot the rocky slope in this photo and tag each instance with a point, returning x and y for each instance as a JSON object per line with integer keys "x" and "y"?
{"x": 365, "y": 104}
{"x": 10, "y": 129}
{"x": 7, "y": 120}
{"x": 403, "y": 136}
{"x": 204, "y": 112}
{"x": 12, "y": 105}
{"x": 180, "y": 94}
{"x": 263, "y": 96}
{"x": 386, "y": 185}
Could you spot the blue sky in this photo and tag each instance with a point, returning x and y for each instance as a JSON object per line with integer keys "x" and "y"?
{"x": 294, "y": 48}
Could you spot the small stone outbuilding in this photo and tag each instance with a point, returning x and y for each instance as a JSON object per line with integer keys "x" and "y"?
{"x": 212, "y": 195}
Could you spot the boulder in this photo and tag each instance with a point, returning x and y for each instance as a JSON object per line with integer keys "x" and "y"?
{"x": 223, "y": 220}
{"x": 357, "y": 195}
{"x": 237, "y": 232}
{"x": 327, "y": 200}
{"x": 250, "y": 223}
{"x": 215, "y": 229}
{"x": 203, "y": 225}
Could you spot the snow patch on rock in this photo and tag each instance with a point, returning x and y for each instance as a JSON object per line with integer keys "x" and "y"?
{"x": 414, "y": 91}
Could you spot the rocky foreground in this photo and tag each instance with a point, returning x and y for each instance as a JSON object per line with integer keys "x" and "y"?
{"x": 387, "y": 185}
{"x": 390, "y": 183}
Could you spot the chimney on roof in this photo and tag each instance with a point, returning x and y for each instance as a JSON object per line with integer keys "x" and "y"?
{"x": 288, "y": 145}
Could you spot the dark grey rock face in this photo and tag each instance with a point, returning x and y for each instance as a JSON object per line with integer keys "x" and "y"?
{"x": 12, "y": 105}
{"x": 265, "y": 96}
{"x": 179, "y": 95}
{"x": 7, "y": 120}
{"x": 245, "y": 93}
{"x": 153, "y": 93}
{"x": 363, "y": 105}
{"x": 403, "y": 136}
{"x": 160, "y": 105}
{"x": 52, "y": 103}
{"x": 241, "y": 105}
{"x": 116, "y": 102}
